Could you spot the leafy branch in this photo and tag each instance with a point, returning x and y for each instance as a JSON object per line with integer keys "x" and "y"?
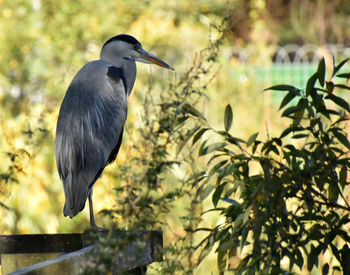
{"x": 292, "y": 204}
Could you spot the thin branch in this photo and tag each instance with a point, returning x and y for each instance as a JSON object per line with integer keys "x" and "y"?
{"x": 333, "y": 204}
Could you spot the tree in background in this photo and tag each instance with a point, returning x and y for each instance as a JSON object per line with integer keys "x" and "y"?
{"x": 283, "y": 22}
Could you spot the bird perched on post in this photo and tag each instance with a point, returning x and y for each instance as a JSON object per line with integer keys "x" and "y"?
{"x": 92, "y": 117}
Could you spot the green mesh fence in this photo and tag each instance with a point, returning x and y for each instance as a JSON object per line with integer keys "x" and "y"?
{"x": 292, "y": 74}
{"x": 292, "y": 64}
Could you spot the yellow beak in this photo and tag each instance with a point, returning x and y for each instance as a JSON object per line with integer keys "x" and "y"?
{"x": 146, "y": 57}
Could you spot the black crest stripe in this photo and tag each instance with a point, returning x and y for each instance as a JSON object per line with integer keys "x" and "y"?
{"x": 123, "y": 37}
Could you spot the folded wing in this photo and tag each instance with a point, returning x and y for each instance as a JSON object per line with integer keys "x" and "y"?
{"x": 89, "y": 129}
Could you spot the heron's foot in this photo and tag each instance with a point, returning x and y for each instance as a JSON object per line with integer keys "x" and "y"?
{"x": 99, "y": 229}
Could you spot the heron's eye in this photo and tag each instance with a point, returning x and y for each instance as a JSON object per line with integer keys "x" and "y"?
{"x": 137, "y": 47}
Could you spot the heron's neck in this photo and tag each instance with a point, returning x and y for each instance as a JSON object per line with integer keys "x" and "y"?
{"x": 127, "y": 65}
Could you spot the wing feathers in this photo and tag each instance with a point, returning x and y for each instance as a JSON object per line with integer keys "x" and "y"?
{"x": 89, "y": 128}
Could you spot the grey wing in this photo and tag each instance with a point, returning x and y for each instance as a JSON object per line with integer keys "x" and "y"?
{"x": 89, "y": 129}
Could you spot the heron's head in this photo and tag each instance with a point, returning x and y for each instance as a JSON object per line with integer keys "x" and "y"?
{"x": 124, "y": 45}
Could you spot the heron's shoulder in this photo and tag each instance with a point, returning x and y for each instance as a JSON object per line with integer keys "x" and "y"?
{"x": 101, "y": 67}
{"x": 95, "y": 71}
{"x": 95, "y": 66}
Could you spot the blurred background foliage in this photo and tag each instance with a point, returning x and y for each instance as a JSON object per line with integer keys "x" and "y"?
{"x": 43, "y": 43}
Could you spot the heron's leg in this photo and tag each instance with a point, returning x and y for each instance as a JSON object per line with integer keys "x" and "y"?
{"x": 91, "y": 208}
{"x": 92, "y": 217}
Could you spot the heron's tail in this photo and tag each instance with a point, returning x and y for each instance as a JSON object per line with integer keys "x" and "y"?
{"x": 67, "y": 211}
{"x": 71, "y": 212}
{"x": 75, "y": 194}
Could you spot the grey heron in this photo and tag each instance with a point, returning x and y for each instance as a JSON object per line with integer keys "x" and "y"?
{"x": 92, "y": 116}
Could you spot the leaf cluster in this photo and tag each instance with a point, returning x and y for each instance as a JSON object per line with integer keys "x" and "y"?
{"x": 284, "y": 198}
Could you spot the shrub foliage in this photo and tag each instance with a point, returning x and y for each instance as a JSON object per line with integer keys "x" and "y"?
{"x": 285, "y": 197}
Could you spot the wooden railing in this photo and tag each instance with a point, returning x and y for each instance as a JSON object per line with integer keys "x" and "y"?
{"x": 68, "y": 253}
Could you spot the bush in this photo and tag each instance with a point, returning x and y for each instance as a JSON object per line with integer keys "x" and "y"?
{"x": 284, "y": 198}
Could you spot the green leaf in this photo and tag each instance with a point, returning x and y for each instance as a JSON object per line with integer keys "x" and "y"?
{"x": 343, "y": 174}
{"x": 187, "y": 108}
{"x": 325, "y": 112}
{"x": 345, "y": 75}
{"x": 206, "y": 191}
{"x": 321, "y": 72}
{"x": 335, "y": 128}
{"x": 274, "y": 149}
{"x": 291, "y": 110}
{"x": 325, "y": 269}
{"x": 225, "y": 244}
{"x": 215, "y": 157}
{"x": 329, "y": 87}
{"x": 310, "y": 86}
{"x": 312, "y": 259}
{"x": 211, "y": 148}
{"x": 344, "y": 161}
{"x": 290, "y": 147}
{"x": 228, "y": 117}
{"x": 342, "y": 138}
{"x": 283, "y": 87}
{"x": 227, "y": 170}
{"x": 338, "y": 67}
{"x": 333, "y": 192}
{"x": 291, "y": 260}
{"x": 221, "y": 261}
{"x": 299, "y": 260}
{"x": 255, "y": 145}
{"x": 235, "y": 141}
{"x": 288, "y": 97}
{"x": 335, "y": 251}
{"x": 300, "y": 136}
{"x": 291, "y": 129}
{"x": 202, "y": 147}
{"x": 318, "y": 103}
{"x": 343, "y": 220}
{"x": 339, "y": 101}
{"x": 232, "y": 253}
{"x": 251, "y": 139}
{"x": 217, "y": 193}
{"x": 198, "y": 135}
{"x": 238, "y": 223}
{"x": 298, "y": 116}
{"x": 342, "y": 86}
{"x": 182, "y": 141}
{"x": 244, "y": 235}
{"x": 268, "y": 147}
{"x": 278, "y": 141}
{"x": 231, "y": 201}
